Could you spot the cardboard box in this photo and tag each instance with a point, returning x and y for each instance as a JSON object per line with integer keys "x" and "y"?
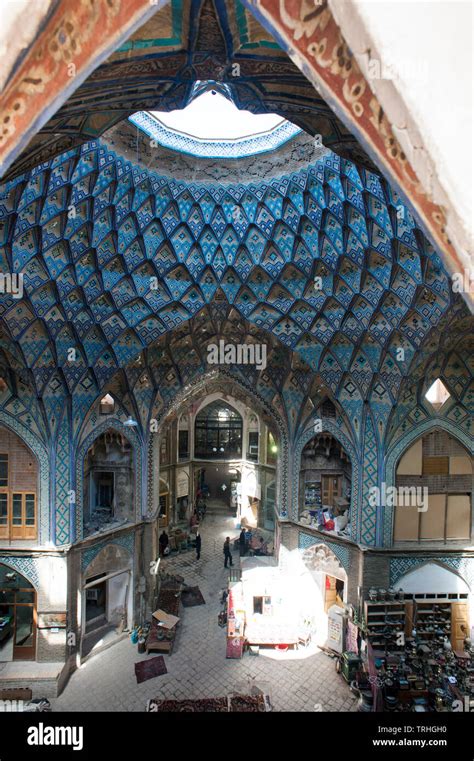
{"x": 166, "y": 620}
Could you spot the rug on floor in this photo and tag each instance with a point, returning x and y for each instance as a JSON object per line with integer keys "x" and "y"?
{"x": 148, "y": 669}
{"x": 191, "y": 596}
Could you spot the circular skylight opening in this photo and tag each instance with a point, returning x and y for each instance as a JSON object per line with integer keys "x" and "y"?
{"x": 212, "y": 126}
{"x": 211, "y": 116}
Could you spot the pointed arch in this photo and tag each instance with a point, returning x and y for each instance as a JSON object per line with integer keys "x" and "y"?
{"x": 213, "y": 381}
{"x": 328, "y": 426}
{"x": 132, "y": 436}
{"x": 40, "y": 451}
{"x": 395, "y": 452}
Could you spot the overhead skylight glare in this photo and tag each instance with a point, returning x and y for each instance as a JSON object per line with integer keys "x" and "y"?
{"x": 212, "y": 126}
{"x": 211, "y": 116}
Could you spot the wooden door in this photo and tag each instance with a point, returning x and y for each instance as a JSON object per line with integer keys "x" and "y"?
{"x": 459, "y": 624}
{"x": 331, "y": 487}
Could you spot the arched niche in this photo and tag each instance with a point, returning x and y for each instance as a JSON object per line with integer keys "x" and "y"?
{"x": 433, "y": 578}
{"x": 429, "y": 493}
{"x": 109, "y": 482}
{"x": 320, "y": 559}
{"x": 326, "y": 426}
{"x": 109, "y": 559}
{"x": 109, "y": 428}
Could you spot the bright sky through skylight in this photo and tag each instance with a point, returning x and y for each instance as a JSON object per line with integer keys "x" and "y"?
{"x": 213, "y": 117}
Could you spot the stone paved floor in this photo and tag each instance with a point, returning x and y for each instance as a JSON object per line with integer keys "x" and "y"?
{"x": 198, "y": 668}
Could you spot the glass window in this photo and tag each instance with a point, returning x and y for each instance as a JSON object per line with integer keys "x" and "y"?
{"x": 25, "y": 595}
{"x": 183, "y": 445}
{"x": 252, "y": 453}
{"x": 30, "y": 509}
{"x": 3, "y": 509}
{"x": 218, "y": 432}
{"x": 24, "y": 631}
{"x": 3, "y": 470}
{"x": 16, "y": 517}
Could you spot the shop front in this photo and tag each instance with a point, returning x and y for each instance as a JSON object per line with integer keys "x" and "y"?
{"x": 106, "y": 605}
{"x": 18, "y": 616}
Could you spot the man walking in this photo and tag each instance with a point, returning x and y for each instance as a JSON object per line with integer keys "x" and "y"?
{"x": 198, "y": 545}
{"x": 227, "y": 553}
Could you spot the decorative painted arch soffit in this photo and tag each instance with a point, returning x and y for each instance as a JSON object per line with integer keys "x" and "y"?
{"x": 49, "y": 111}
{"x": 157, "y": 67}
{"x": 316, "y": 43}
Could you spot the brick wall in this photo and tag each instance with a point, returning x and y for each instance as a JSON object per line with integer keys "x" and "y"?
{"x": 23, "y": 466}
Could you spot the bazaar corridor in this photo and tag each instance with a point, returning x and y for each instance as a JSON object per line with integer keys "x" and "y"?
{"x": 296, "y": 681}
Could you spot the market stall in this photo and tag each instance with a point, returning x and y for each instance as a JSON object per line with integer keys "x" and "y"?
{"x": 259, "y": 609}
{"x": 165, "y": 621}
{"x": 407, "y": 654}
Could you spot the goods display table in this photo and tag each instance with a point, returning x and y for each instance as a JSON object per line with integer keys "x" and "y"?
{"x": 263, "y": 630}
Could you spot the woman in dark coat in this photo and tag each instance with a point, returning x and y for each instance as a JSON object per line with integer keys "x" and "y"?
{"x": 163, "y": 541}
{"x": 198, "y": 545}
{"x": 242, "y": 542}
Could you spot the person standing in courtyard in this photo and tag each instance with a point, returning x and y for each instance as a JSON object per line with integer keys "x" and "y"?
{"x": 242, "y": 542}
{"x": 198, "y": 545}
{"x": 227, "y": 552}
{"x": 163, "y": 541}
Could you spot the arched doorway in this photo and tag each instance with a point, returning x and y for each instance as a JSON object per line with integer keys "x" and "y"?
{"x": 218, "y": 438}
{"x": 106, "y": 606}
{"x": 17, "y": 616}
{"x": 326, "y": 585}
{"x": 232, "y": 482}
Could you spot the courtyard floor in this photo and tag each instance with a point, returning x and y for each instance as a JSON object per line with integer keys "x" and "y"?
{"x": 295, "y": 681}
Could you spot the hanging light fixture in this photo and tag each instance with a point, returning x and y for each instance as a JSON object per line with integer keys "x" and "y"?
{"x": 130, "y": 422}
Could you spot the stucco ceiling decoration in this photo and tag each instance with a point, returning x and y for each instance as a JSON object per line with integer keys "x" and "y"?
{"x": 115, "y": 256}
{"x": 202, "y": 43}
{"x": 315, "y": 42}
